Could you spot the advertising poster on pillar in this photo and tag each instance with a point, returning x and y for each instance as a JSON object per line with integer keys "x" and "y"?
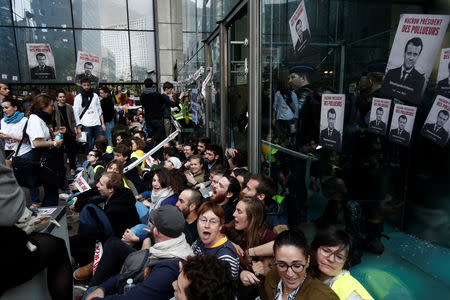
{"x": 300, "y": 34}
{"x": 332, "y": 121}
{"x": 437, "y": 127}
{"x": 88, "y": 65}
{"x": 415, "y": 48}
{"x": 379, "y": 115}
{"x": 402, "y": 124}
{"x": 443, "y": 78}
{"x": 41, "y": 61}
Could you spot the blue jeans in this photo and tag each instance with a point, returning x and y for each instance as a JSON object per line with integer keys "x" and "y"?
{"x": 34, "y": 192}
{"x": 89, "y": 290}
{"x": 91, "y": 133}
{"x": 109, "y": 127}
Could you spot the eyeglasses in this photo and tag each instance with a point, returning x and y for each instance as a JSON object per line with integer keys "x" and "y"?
{"x": 296, "y": 268}
{"x": 204, "y": 220}
{"x": 337, "y": 257}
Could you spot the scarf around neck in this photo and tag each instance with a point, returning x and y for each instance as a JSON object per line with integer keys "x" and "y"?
{"x": 46, "y": 117}
{"x": 158, "y": 198}
{"x": 173, "y": 248}
{"x": 16, "y": 117}
{"x": 86, "y": 97}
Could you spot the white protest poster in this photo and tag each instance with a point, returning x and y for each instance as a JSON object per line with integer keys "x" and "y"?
{"x": 416, "y": 45}
{"x": 379, "y": 115}
{"x": 88, "y": 65}
{"x": 299, "y": 26}
{"x": 41, "y": 61}
{"x": 332, "y": 121}
{"x": 80, "y": 183}
{"x": 402, "y": 124}
{"x": 436, "y": 127}
{"x": 443, "y": 77}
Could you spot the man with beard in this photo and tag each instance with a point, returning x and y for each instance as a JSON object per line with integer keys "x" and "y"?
{"x": 188, "y": 203}
{"x": 213, "y": 154}
{"x": 225, "y": 193}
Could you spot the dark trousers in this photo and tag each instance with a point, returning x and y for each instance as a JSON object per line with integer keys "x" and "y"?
{"x": 114, "y": 254}
{"x": 91, "y": 133}
{"x": 82, "y": 248}
{"x": 155, "y": 127}
{"x": 70, "y": 147}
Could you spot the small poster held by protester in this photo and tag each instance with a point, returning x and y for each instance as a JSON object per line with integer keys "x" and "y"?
{"x": 379, "y": 115}
{"x": 402, "y": 124}
{"x": 436, "y": 127}
{"x": 300, "y": 34}
{"x": 416, "y": 45}
{"x": 80, "y": 183}
{"x": 41, "y": 61}
{"x": 443, "y": 77}
{"x": 88, "y": 65}
{"x": 332, "y": 121}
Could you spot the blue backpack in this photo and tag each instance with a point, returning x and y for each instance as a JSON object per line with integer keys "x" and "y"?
{"x": 92, "y": 218}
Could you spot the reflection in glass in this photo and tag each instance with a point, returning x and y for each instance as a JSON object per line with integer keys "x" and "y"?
{"x": 9, "y": 65}
{"x": 215, "y": 92}
{"x": 42, "y": 13}
{"x": 142, "y": 53}
{"x": 140, "y": 13}
{"x": 111, "y": 14}
{"x": 5, "y": 13}
{"x": 61, "y": 42}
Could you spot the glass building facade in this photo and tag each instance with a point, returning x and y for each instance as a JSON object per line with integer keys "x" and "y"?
{"x": 121, "y": 32}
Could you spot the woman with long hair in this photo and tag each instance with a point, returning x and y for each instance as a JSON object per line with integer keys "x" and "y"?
{"x": 330, "y": 253}
{"x": 41, "y": 137}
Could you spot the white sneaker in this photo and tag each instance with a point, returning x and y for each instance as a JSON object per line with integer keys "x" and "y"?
{"x": 63, "y": 196}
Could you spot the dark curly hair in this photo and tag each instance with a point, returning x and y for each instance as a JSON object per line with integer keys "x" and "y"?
{"x": 210, "y": 278}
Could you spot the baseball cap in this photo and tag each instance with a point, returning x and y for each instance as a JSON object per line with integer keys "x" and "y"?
{"x": 168, "y": 220}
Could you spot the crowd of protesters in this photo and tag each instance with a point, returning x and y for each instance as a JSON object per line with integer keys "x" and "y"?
{"x": 189, "y": 222}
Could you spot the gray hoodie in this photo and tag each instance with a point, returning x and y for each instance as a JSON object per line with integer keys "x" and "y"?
{"x": 12, "y": 198}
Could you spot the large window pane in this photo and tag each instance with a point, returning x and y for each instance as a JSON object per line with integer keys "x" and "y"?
{"x": 5, "y": 12}
{"x": 142, "y": 53}
{"x": 114, "y": 48}
{"x": 111, "y": 14}
{"x": 9, "y": 65}
{"x": 140, "y": 13}
{"x": 42, "y": 13}
{"x": 61, "y": 42}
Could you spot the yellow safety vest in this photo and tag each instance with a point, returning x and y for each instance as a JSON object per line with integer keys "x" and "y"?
{"x": 180, "y": 115}
{"x": 109, "y": 149}
{"x": 346, "y": 284}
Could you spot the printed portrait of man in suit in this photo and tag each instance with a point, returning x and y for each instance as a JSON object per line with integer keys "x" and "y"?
{"x": 436, "y": 131}
{"x": 399, "y": 134}
{"x": 42, "y": 70}
{"x": 329, "y": 137}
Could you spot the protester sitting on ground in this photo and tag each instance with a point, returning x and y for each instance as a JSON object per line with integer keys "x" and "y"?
{"x": 196, "y": 173}
{"x": 138, "y": 146}
{"x": 206, "y": 187}
{"x": 143, "y": 136}
{"x": 12, "y": 125}
{"x": 189, "y": 150}
{"x": 225, "y": 193}
{"x": 204, "y": 277}
{"x": 101, "y": 144}
{"x": 170, "y": 243}
{"x": 25, "y": 255}
{"x": 119, "y": 209}
{"x": 213, "y": 155}
{"x": 290, "y": 277}
{"x": 238, "y": 160}
{"x": 262, "y": 188}
{"x": 211, "y": 218}
{"x": 202, "y": 143}
{"x": 123, "y": 154}
{"x": 41, "y": 139}
{"x": 242, "y": 175}
{"x": 172, "y": 163}
{"x": 330, "y": 262}
{"x": 188, "y": 203}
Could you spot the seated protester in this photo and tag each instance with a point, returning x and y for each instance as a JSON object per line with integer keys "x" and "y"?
{"x": 138, "y": 146}
{"x": 225, "y": 193}
{"x": 172, "y": 163}
{"x": 201, "y": 145}
{"x": 101, "y": 144}
{"x": 204, "y": 277}
{"x": 262, "y": 188}
{"x": 242, "y": 175}
{"x": 189, "y": 150}
{"x": 238, "y": 160}
{"x": 196, "y": 173}
{"x": 330, "y": 253}
{"x": 206, "y": 187}
{"x": 123, "y": 154}
{"x": 119, "y": 209}
{"x": 94, "y": 169}
{"x": 290, "y": 277}
{"x": 167, "y": 224}
{"x": 188, "y": 203}
{"x": 122, "y": 137}
{"x": 211, "y": 218}
{"x": 165, "y": 191}
{"x": 213, "y": 155}
{"x": 143, "y": 136}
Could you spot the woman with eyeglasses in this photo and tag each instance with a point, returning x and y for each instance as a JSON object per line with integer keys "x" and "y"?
{"x": 211, "y": 218}
{"x": 331, "y": 250}
{"x": 289, "y": 279}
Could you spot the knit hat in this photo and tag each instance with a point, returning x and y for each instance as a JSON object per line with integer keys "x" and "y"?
{"x": 168, "y": 220}
{"x": 175, "y": 161}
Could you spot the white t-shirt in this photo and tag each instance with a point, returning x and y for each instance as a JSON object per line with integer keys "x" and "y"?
{"x": 283, "y": 110}
{"x": 16, "y": 130}
{"x": 92, "y": 116}
{"x": 37, "y": 129}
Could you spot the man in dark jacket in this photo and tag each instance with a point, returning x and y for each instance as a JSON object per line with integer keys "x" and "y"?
{"x": 153, "y": 104}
